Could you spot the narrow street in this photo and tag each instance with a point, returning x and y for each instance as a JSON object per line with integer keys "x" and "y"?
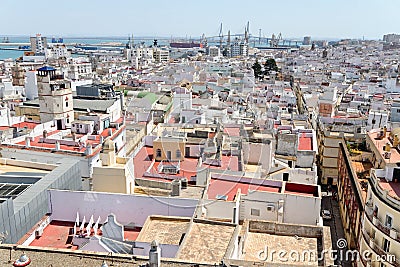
{"x": 337, "y": 232}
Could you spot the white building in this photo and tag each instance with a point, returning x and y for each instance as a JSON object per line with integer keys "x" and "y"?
{"x": 38, "y": 44}
{"x": 31, "y": 87}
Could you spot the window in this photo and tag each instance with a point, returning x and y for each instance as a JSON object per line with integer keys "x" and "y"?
{"x": 255, "y": 212}
{"x": 386, "y": 245}
{"x": 178, "y": 154}
{"x": 158, "y": 153}
{"x": 286, "y": 177}
{"x": 66, "y": 103}
{"x": 388, "y": 221}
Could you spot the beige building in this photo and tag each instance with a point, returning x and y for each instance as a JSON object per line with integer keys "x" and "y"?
{"x": 55, "y": 97}
{"x": 169, "y": 148}
{"x": 381, "y": 222}
{"x": 381, "y": 228}
{"x": 31, "y": 112}
{"x": 116, "y": 175}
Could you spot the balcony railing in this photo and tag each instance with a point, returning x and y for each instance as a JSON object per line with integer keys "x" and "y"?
{"x": 379, "y": 251}
{"x": 391, "y": 232}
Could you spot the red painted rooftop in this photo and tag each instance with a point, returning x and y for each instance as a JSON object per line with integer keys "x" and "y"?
{"x": 229, "y": 186}
{"x": 29, "y": 125}
{"x": 305, "y": 143}
{"x": 58, "y": 234}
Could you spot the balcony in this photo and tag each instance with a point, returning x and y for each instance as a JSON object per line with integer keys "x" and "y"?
{"x": 390, "y": 232}
{"x": 378, "y": 250}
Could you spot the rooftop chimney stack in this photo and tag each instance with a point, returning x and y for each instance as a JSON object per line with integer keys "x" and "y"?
{"x": 57, "y": 147}
{"x": 27, "y": 141}
{"x": 155, "y": 255}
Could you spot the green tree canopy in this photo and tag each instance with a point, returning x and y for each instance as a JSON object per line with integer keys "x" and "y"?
{"x": 270, "y": 65}
{"x": 257, "y": 69}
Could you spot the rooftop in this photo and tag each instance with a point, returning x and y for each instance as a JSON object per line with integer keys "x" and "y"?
{"x": 380, "y": 145}
{"x": 256, "y": 242}
{"x": 166, "y": 230}
{"x": 224, "y": 187}
{"x": 206, "y": 242}
{"x": 59, "y": 234}
{"x": 305, "y": 142}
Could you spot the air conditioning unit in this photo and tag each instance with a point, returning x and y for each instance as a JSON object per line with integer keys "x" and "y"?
{"x": 271, "y": 208}
{"x": 39, "y": 232}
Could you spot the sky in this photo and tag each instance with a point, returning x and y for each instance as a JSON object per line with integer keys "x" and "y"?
{"x": 370, "y": 19}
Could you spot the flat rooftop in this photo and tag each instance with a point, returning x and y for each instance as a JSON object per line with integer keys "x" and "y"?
{"x": 147, "y": 167}
{"x": 305, "y": 142}
{"x": 6, "y": 169}
{"x": 256, "y": 242}
{"x": 59, "y": 234}
{"x": 393, "y": 188}
{"x": 14, "y": 180}
{"x": 206, "y": 242}
{"x": 380, "y": 145}
{"x": 166, "y": 230}
{"x": 193, "y": 192}
{"x": 225, "y": 187}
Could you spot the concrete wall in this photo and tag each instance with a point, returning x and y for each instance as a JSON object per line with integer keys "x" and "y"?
{"x": 169, "y": 145}
{"x": 297, "y": 209}
{"x": 258, "y": 153}
{"x": 218, "y": 209}
{"x": 129, "y": 209}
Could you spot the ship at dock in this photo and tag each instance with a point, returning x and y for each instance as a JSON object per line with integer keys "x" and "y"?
{"x": 185, "y": 44}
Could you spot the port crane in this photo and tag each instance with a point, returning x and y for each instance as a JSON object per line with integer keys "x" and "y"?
{"x": 221, "y": 37}
{"x": 274, "y": 42}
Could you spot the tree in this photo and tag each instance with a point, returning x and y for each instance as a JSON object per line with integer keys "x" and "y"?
{"x": 257, "y": 69}
{"x": 270, "y": 65}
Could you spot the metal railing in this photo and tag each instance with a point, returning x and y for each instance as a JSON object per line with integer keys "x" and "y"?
{"x": 390, "y": 258}
{"x": 380, "y": 225}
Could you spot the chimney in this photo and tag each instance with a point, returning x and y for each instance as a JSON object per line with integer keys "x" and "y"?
{"x": 27, "y": 141}
{"x": 101, "y": 139}
{"x": 44, "y": 134}
{"x": 384, "y": 131}
{"x": 176, "y": 188}
{"x": 109, "y": 131}
{"x": 57, "y": 147}
{"x": 89, "y": 149}
{"x": 155, "y": 255}
{"x": 73, "y": 136}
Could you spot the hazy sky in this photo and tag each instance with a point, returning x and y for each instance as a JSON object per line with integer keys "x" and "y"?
{"x": 293, "y": 18}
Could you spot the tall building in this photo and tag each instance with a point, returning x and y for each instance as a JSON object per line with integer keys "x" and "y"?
{"x": 307, "y": 40}
{"x": 55, "y": 97}
{"x": 38, "y": 44}
{"x": 391, "y": 38}
{"x": 239, "y": 48}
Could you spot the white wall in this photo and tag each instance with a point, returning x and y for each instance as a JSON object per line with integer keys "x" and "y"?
{"x": 218, "y": 209}
{"x": 128, "y": 209}
{"x": 256, "y": 153}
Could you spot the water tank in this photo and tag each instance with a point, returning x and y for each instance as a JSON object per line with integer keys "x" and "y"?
{"x": 184, "y": 183}
{"x": 176, "y": 188}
